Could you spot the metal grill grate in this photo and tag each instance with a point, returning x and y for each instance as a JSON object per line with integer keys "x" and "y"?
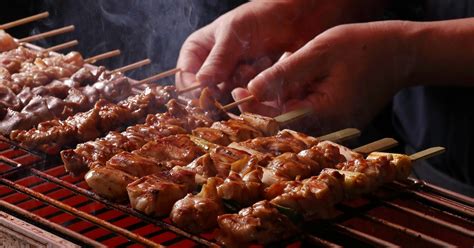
{"x": 404, "y": 213}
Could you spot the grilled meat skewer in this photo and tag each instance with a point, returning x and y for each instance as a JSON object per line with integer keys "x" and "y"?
{"x": 315, "y": 197}
{"x": 50, "y": 136}
{"x": 179, "y": 119}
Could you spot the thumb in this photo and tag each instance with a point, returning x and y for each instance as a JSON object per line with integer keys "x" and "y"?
{"x": 288, "y": 76}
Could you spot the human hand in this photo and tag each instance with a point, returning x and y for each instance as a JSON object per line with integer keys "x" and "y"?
{"x": 245, "y": 41}
{"x": 346, "y": 75}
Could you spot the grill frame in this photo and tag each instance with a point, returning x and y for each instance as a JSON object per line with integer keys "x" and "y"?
{"x": 322, "y": 233}
{"x": 20, "y": 165}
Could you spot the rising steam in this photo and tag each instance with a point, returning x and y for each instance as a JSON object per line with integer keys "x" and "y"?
{"x": 152, "y": 29}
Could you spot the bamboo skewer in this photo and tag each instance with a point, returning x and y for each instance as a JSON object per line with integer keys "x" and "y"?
{"x": 427, "y": 153}
{"x": 102, "y": 56}
{"x": 48, "y": 34}
{"x": 382, "y": 144}
{"x": 24, "y": 20}
{"x": 158, "y": 76}
{"x": 288, "y": 117}
{"x": 237, "y": 103}
{"x": 197, "y": 85}
{"x": 341, "y": 135}
{"x": 133, "y": 66}
{"x": 62, "y": 46}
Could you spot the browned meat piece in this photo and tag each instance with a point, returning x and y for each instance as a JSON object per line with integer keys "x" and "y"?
{"x": 10, "y": 63}
{"x": 55, "y": 133}
{"x": 176, "y": 147}
{"x": 314, "y": 197}
{"x": 134, "y": 164}
{"x": 211, "y": 106}
{"x": 128, "y": 166}
{"x": 289, "y": 166}
{"x": 58, "y": 107}
{"x": 306, "y": 163}
{"x": 226, "y": 159}
{"x": 12, "y": 60}
{"x": 198, "y": 213}
{"x": 326, "y": 155}
{"x": 112, "y": 116}
{"x": 84, "y": 76}
{"x": 12, "y": 120}
{"x": 82, "y": 99}
{"x": 68, "y": 61}
{"x": 7, "y": 42}
{"x": 401, "y": 162}
{"x": 85, "y": 126}
{"x": 109, "y": 183}
{"x": 378, "y": 171}
{"x": 4, "y": 74}
{"x": 9, "y": 99}
{"x": 56, "y": 88}
{"x": 155, "y": 194}
{"x": 212, "y": 135}
{"x": 243, "y": 191}
{"x": 284, "y": 141}
{"x": 25, "y": 95}
{"x": 38, "y": 109}
{"x": 267, "y": 125}
{"x": 188, "y": 117}
{"x": 132, "y": 138}
{"x": 31, "y": 78}
{"x": 3, "y": 111}
{"x": 261, "y": 223}
{"x": 237, "y": 130}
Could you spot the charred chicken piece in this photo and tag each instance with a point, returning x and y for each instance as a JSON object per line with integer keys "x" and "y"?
{"x": 156, "y": 194}
{"x": 212, "y": 135}
{"x": 237, "y": 130}
{"x": 85, "y": 126}
{"x": 314, "y": 197}
{"x": 261, "y": 223}
{"x": 128, "y": 167}
{"x": 242, "y": 190}
{"x": 172, "y": 148}
{"x": 198, "y": 213}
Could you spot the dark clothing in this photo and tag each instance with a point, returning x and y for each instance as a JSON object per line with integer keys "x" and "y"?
{"x": 429, "y": 116}
{"x": 440, "y": 116}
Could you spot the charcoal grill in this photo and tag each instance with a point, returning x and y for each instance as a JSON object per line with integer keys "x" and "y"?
{"x": 411, "y": 213}
{"x": 36, "y": 189}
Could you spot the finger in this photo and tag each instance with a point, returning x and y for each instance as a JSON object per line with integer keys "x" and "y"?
{"x": 253, "y": 106}
{"x": 328, "y": 114}
{"x": 192, "y": 55}
{"x": 222, "y": 60}
{"x": 301, "y": 68}
{"x": 284, "y": 56}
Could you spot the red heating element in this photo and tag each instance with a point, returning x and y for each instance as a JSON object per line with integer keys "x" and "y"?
{"x": 410, "y": 213}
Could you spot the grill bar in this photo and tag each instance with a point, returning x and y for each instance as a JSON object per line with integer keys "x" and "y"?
{"x": 448, "y": 194}
{"x": 408, "y": 231}
{"x": 122, "y": 208}
{"x": 49, "y": 224}
{"x": 434, "y": 199}
{"x": 76, "y": 212}
{"x": 363, "y": 236}
{"x": 453, "y": 227}
{"x": 321, "y": 242}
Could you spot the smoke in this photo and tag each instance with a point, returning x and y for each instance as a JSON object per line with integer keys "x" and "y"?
{"x": 141, "y": 29}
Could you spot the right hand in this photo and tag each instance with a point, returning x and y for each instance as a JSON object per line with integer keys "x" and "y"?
{"x": 245, "y": 41}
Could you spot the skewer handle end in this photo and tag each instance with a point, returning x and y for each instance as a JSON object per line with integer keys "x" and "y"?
{"x": 427, "y": 153}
